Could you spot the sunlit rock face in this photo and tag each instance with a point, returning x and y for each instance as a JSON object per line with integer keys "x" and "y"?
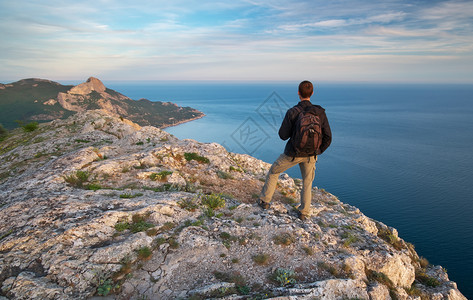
{"x": 97, "y": 205}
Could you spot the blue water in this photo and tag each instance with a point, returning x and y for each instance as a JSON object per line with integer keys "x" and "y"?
{"x": 403, "y": 154}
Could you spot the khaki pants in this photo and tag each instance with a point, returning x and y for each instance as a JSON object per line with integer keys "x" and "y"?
{"x": 284, "y": 162}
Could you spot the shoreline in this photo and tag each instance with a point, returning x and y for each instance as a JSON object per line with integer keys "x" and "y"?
{"x": 182, "y": 121}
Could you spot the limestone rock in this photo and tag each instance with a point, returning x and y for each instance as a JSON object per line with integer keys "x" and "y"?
{"x": 96, "y": 203}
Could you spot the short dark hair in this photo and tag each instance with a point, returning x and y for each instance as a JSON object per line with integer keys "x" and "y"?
{"x": 306, "y": 89}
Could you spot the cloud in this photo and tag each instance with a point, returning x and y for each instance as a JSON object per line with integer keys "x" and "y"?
{"x": 217, "y": 39}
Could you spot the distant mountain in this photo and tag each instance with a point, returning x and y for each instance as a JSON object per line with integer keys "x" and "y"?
{"x": 44, "y": 100}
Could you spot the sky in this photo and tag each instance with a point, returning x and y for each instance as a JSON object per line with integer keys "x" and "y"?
{"x": 239, "y": 40}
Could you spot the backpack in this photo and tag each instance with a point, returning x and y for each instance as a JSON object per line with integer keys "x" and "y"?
{"x": 307, "y": 135}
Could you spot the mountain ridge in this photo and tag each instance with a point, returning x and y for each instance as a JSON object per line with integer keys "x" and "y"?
{"x": 42, "y": 100}
{"x": 96, "y": 205}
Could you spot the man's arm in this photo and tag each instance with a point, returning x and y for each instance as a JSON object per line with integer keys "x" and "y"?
{"x": 285, "y": 131}
{"x": 326, "y": 136}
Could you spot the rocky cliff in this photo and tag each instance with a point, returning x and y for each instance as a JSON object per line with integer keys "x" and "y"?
{"x": 43, "y": 100}
{"x": 95, "y": 205}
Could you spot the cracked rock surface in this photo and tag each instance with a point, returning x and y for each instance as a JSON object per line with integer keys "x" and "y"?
{"x": 95, "y": 206}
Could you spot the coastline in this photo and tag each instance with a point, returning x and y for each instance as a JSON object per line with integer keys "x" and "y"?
{"x": 183, "y": 121}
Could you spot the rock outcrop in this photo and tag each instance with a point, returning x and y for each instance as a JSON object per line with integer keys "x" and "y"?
{"x": 96, "y": 205}
{"x": 44, "y": 100}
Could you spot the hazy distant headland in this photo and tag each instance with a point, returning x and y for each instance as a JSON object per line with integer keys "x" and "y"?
{"x": 40, "y": 100}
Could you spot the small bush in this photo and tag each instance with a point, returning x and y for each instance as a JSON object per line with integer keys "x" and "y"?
{"x": 194, "y": 156}
{"x": 94, "y": 186}
{"x": 224, "y": 175}
{"x": 331, "y": 268}
{"x": 349, "y": 239}
{"x": 426, "y": 280}
{"x": 379, "y": 277}
{"x": 188, "y": 204}
{"x": 232, "y": 168}
{"x": 424, "y": 263}
{"x": 125, "y": 269}
{"x": 173, "y": 244}
{"x": 30, "y": 127}
{"x": 140, "y": 226}
{"x": 160, "y": 176}
{"x": 152, "y": 231}
{"x": 213, "y": 201}
{"x": 105, "y": 287}
{"x": 167, "y": 226}
{"x": 390, "y": 238}
{"x": 308, "y": 250}
{"x": 284, "y": 239}
{"x": 236, "y": 278}
{"x": 413, "y": 291}
{"x": 77, "y": 179}
{"x": 261, "y": 259}
{"x": 284, "y": 277}
{"x": 130, "y": 196}
{"x": 225, "y": 236}
{"x": 144, "y": 253}
{"x": 122, "y": 226}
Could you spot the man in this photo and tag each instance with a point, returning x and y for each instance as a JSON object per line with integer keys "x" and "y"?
{"x": 293, "y": 155}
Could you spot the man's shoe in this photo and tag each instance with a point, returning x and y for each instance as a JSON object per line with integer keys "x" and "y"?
{"x": 264, "y": 205}
{"x": 301, "y": 216}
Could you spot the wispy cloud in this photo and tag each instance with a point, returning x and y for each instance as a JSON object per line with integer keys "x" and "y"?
{"x": 232, "y": 40}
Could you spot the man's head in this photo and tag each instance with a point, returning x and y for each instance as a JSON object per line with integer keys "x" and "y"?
{"x": 306, "y": 89}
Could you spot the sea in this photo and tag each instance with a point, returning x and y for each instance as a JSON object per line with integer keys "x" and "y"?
{"x": 401, "y": 153}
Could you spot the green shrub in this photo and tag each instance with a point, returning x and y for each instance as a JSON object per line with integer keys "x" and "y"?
{"x": 213, "y": 201}
{"x": 232, "y": 168}
{"x": 152, "y": 231}
{"x": 106, "y": 286}
{"x": 413, "y": 291}
{"x": 194, "y": 156}
{"x": 424, "y": 263}
{"x": 160, "y": 176}
{"x": 379, "y": 277}
{"x": 329, "y": 267}
{"x": 224, "y": 175}
{"x": 130, "y": 196}
{"x": 78, "y": 178}
{"x": 94, "y": 186}
{"x": 138, "y": 224}
{"x": 236, "y": 278}
{"x": 390, "y": 238}
{"x": 284, "y": 239}
{"x": 427, "y": 280}
{"x": 30, "y": 127}
{"x": 173, "y": 244}
{"x": 167, "y": 226}
{"x": 188, "y": 204}
{"x": 144, "y": 253}
{"x": 349, "y": 239}
{"x": 284, "y": 277}
{"x": 122, "y": 226}
{"x": 308, "y": 250}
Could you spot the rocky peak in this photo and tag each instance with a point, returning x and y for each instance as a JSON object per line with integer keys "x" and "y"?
{"x": 96, "y": 205}
{"x": 92, "y": 84}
